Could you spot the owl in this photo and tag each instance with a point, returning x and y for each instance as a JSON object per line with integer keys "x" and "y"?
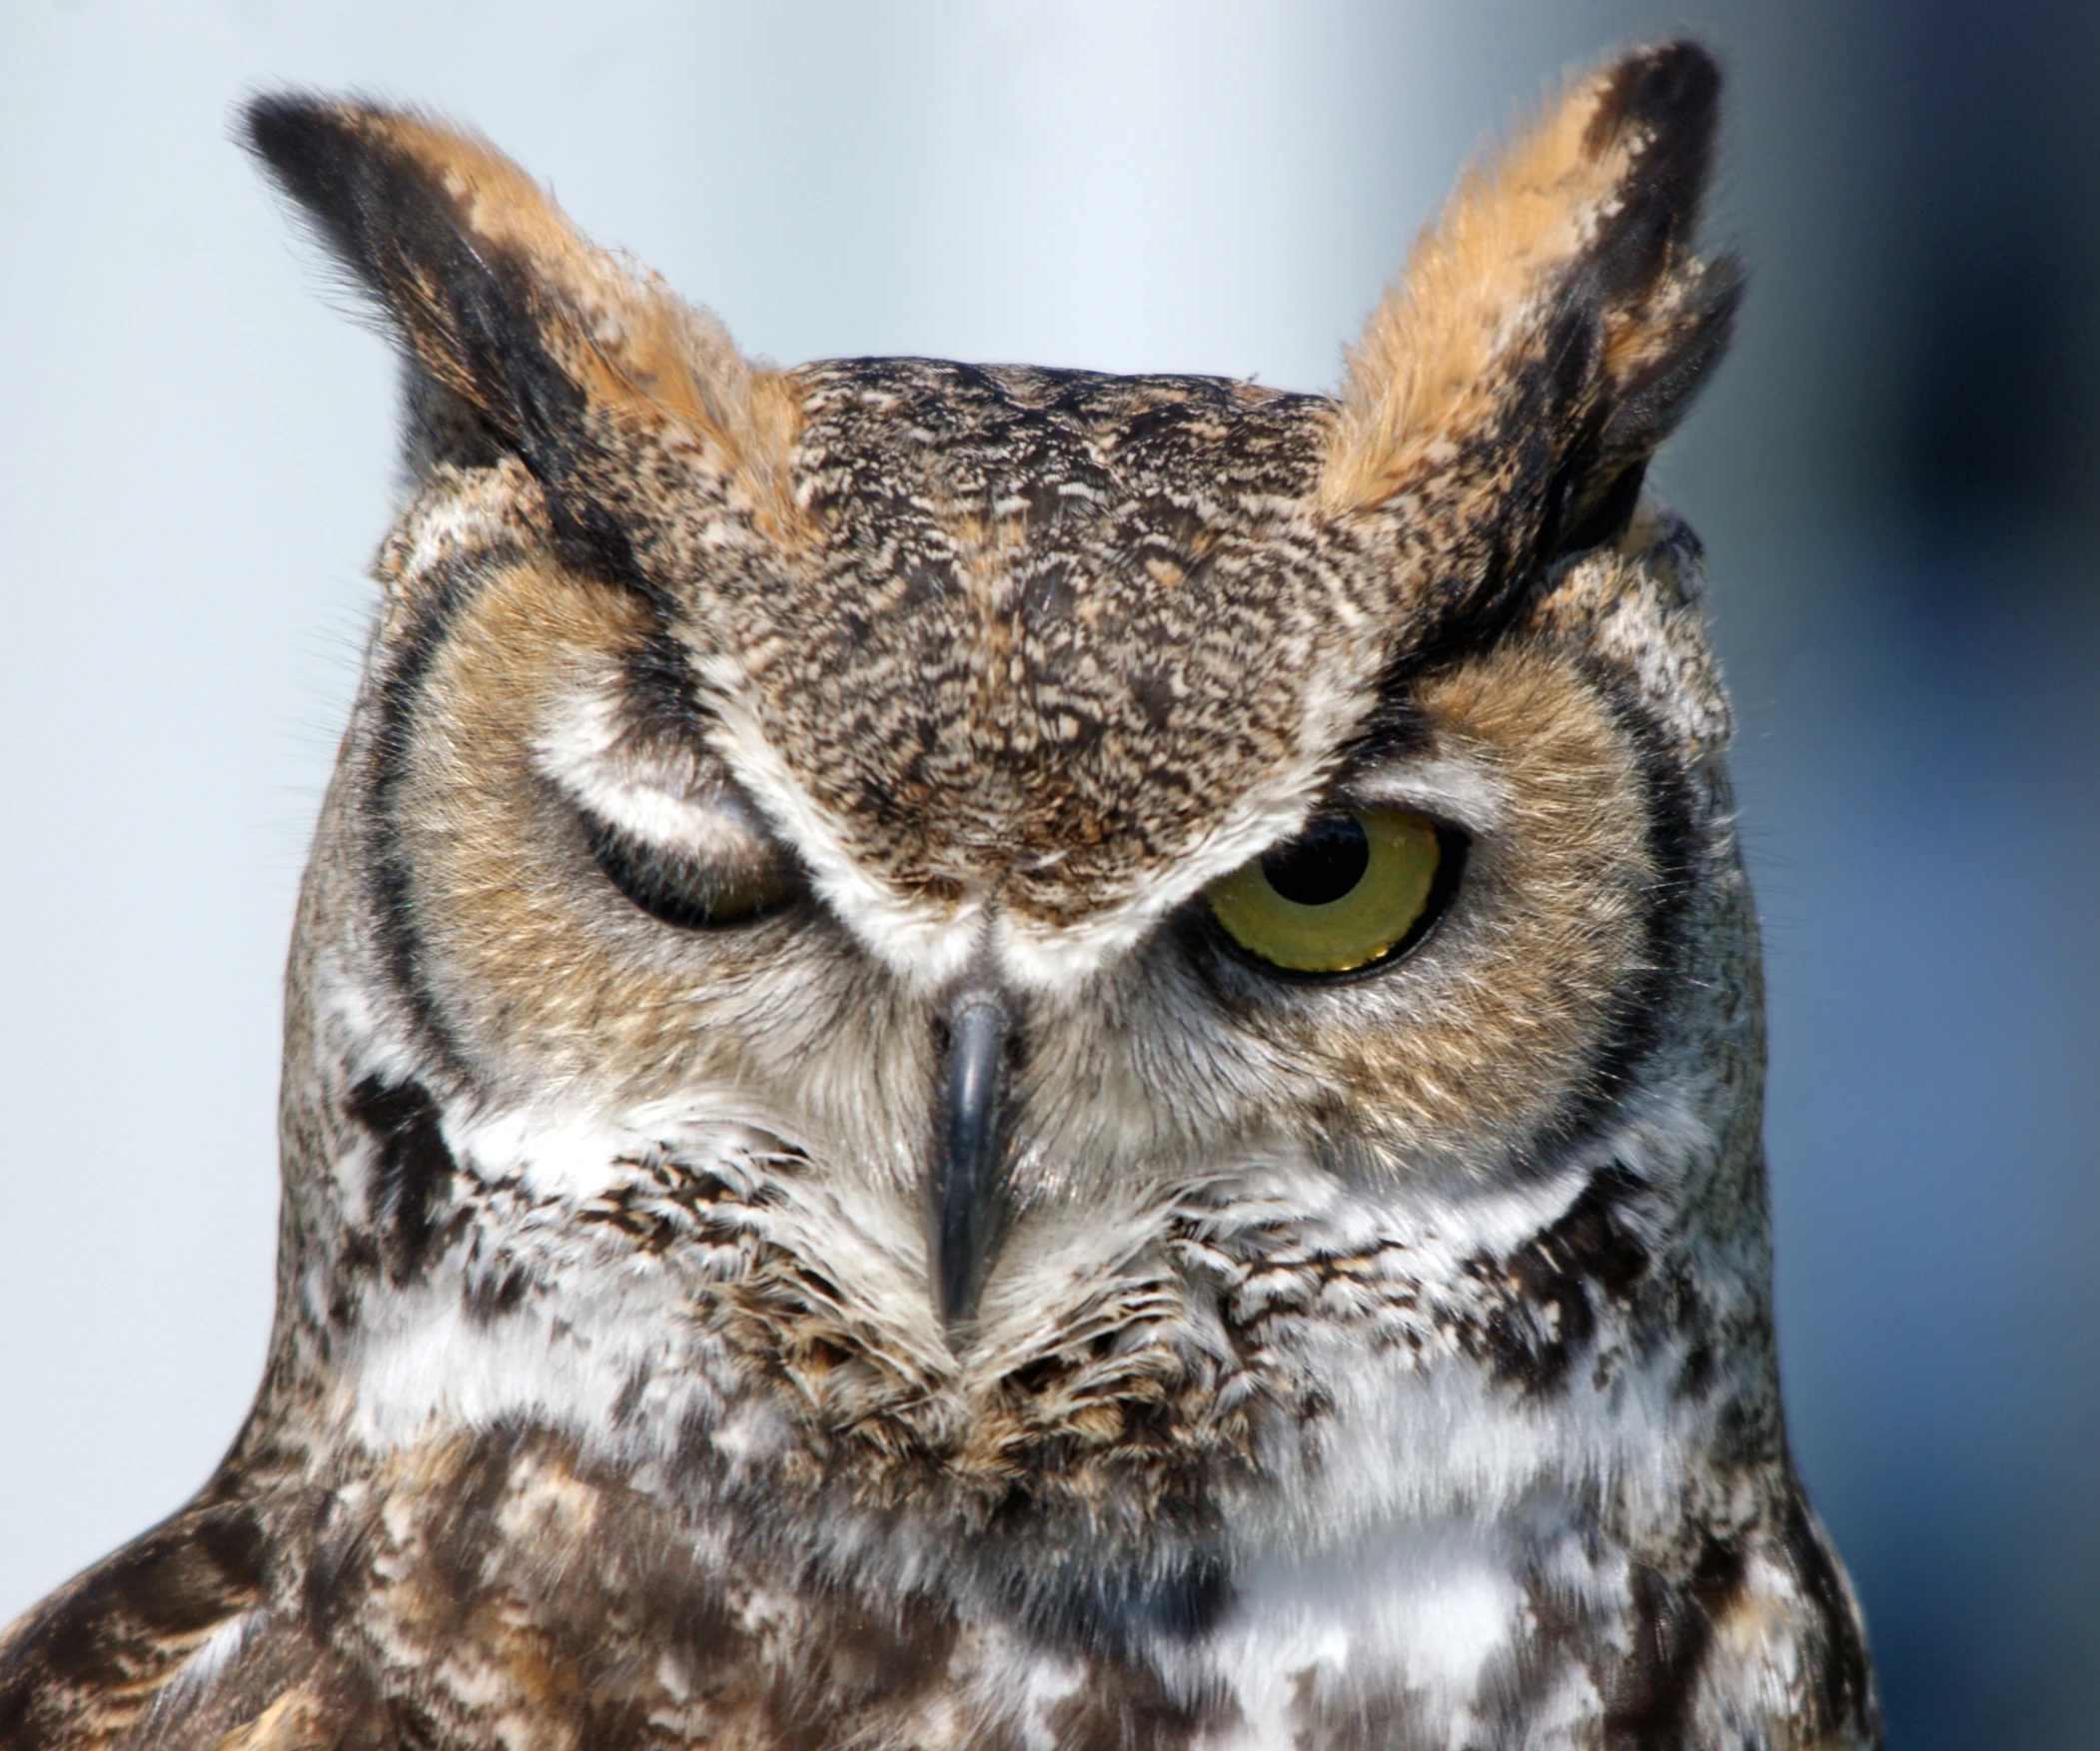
{"x": 999, "y": 1057}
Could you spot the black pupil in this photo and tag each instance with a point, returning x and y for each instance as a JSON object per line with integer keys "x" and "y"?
{"x": 1322, "y": 864}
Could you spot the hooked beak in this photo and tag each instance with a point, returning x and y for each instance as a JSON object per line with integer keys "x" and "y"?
{"x": 966, "y": 1194}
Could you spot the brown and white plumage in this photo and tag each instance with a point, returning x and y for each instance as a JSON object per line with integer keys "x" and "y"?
{"x": 803, "y": 1226}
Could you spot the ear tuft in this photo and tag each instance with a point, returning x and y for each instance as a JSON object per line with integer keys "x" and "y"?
{"x": 462, "y": 254}
{"x": 1556, "y": 298}
{"x": 554, "y": 346}
{"x": 1655, "y": 115}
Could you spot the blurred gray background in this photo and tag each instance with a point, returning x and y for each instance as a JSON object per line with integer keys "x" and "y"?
{"x": 1895, "y": 476}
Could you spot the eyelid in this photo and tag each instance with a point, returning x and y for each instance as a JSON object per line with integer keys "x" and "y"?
{"x": 1466, "y": 792}
{"x": 667, "y": 795}
{"x": 718, "y": 830}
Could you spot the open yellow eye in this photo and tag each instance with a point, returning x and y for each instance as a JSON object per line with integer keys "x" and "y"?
{"x": 1345, "y": 893}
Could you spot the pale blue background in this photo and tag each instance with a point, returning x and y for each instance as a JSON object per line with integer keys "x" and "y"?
{"x": 1895, "y": 477}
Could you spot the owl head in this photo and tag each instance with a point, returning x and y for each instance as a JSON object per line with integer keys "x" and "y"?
{"x": 900, "y": 919}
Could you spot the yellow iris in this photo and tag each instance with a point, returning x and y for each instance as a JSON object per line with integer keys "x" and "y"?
{"x": 1343, "y": 894}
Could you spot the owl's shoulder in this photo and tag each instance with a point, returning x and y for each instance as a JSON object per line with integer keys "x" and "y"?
{"x": 169, "y": 1643}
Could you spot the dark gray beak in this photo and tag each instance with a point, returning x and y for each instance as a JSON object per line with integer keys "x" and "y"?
{"x": 966, "y": 1194}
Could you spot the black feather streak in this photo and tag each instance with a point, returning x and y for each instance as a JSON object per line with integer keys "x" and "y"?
{"x": 415, "y": 1170}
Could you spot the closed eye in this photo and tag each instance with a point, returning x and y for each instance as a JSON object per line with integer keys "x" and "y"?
{"x": 664, "y": 824}
{"x": 689, "y": 892}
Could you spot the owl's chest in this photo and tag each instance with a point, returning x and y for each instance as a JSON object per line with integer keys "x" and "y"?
{"x": 1341, "y": 1496}
{"x": 510, "y": 1601}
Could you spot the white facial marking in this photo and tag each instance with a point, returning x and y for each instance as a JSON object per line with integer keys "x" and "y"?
{"x": 587, "y": 748}
{"x": 1460, "y": 787}
{"x": 925, "y": 944}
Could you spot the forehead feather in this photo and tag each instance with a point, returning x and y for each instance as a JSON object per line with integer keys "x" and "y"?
{"x": 1051, "y": 623}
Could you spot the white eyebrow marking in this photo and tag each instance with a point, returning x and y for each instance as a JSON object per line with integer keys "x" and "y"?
{"x": 1463, "y": 789}
{"x": 660, "y": 795}
{"x": 925, "y": 943}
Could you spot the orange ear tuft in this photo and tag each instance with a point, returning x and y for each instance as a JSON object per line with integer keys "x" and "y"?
{"x": 1560, "y": 280}
{"x": 501, "y": 303}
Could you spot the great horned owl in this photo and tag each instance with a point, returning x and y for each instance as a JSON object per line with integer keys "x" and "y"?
{"x": 985, "y": 1057}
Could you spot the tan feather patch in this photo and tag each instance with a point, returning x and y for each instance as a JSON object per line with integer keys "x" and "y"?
{"x": 634, "y": 349}
{"x": 296, "y": 1721}
{"x": 1438, "y": 359}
